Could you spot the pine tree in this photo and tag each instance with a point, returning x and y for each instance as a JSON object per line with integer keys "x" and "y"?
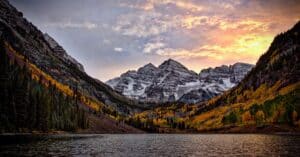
{"x": 34, "y": 105}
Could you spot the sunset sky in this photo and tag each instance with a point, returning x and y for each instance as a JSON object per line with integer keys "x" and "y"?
{"x": 110, "y": 37}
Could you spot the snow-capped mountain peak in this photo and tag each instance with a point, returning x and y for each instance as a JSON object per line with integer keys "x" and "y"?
{"x": 172, "y": 81}
{"x": 172, "y": 65}
{"x": 148, "y": 69}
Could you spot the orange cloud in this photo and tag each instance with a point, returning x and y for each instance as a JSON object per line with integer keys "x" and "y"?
{"x": 220, "y": 32}
{"x": 247, "y": 48}
{"x": 150, "y": 4}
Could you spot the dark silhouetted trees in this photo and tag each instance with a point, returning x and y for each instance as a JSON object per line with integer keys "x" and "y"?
{"x": 27, "y": 104}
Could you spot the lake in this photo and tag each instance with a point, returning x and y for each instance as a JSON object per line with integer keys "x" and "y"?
{"x": 151, "y": 145}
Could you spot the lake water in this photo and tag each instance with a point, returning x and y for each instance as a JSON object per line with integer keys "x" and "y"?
{"x": 151, "y": 145}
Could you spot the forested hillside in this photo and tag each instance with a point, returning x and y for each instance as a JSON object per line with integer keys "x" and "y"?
{"x": 269, "y": 95}
{"x": 268, "y": 98}
{"x": 45, "y": 89}
{"x": 28, "y": 104}
{"x": 42, "y": 88}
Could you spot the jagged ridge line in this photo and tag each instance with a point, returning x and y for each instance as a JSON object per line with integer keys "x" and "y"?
{"x": 37, "y": 72}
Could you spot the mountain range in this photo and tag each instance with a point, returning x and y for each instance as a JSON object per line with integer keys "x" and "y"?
{"x": 266, "y": 100}
{"x": 171, "y": 81}
{"x": 44, "y": 89}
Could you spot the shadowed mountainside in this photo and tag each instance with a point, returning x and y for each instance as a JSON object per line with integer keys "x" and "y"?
{"x": 43, "y": 85}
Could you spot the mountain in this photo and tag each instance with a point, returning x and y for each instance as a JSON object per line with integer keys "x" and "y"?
{"x": 41, "y": 84}
{"x": 266, "y": 100}
{"x": 50, "y": 57}
{"x": 215, "y": 81}
{"x": 235, "y": 73}
{"x": 59, "y": 51}
{"x": 36, "y": 69}
{"x": 171, "y": 81}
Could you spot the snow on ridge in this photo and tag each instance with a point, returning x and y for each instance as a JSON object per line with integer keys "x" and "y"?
{"x": 171, "y": 81}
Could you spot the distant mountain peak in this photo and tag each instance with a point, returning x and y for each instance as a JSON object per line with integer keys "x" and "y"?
{"x": 171, "y": 60}
{"x": 242, "y": 64}
{"x": 171, "y": 63}
{"x": 174, "y": 66}
{"x": 148, "y": 66}
{"x": 148, "y": 69}
{"x": 235, "y": 72}
{"x": 172, "y": 80}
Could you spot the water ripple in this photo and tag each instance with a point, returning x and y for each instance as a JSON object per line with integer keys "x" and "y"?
{"x": 156, "y": 145}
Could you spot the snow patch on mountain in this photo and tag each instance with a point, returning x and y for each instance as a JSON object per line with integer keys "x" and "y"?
{"x": 171, "y": 81}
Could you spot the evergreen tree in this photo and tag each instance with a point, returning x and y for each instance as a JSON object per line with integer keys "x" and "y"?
{"x": 28, "y": 104}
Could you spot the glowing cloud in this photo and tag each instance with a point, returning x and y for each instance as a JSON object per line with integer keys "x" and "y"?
{"x": 195, "y": 32}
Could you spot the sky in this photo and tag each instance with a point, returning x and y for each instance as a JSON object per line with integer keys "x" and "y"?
{"x": 110, "y": 37}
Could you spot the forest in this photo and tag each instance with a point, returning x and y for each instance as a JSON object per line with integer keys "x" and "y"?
{"x": 28, "y": 104}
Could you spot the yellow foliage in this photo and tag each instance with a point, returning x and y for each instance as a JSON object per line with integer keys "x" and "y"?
{"x": 246, "y": 117}
{"x": 289, "y": 88}
{"x": 160, "y": 122}
{"x": 212, "y": 118}
{"x": 259, "y": 92}
{"x": 36, "y": 73}
{"x": 260, "y": 115}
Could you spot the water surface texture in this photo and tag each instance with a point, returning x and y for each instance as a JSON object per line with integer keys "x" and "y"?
{"x": 151, "y": 145}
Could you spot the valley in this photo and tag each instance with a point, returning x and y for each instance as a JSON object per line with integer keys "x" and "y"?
{"x": 44, "y": 89}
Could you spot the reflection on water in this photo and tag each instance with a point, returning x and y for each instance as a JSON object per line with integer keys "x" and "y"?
{"x": 152, "y": 145}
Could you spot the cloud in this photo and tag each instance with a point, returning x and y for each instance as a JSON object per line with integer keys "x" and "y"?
{"x": 222, "y": 23}
{"x": 190, "y": 22}
{"x": 118, "y": 49}
{"x": 198, "y": 33}
{"x": 84, "y": 25}
{"x": 184, "y": 53}
{"x": 151, "y": 4}
{"x": 142, "y": 24}
{"x": 150, "y": 47}
{"x": 249, "y": 47}
{"x": 151, "y": 24}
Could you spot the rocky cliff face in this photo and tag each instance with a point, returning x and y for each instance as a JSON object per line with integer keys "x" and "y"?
{"x": 171, "y": 81}
{"x": 45, "y": 53}
{"x": 235, "y": 72}
{"x": 214, "y": 81}
{"x": 59, "y": 51}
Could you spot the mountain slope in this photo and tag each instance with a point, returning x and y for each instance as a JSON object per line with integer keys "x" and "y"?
{"x": 50, "y": 57}
{"x": 66, "y": 98}
{"x": 60, "y": 52}
{"x": 25, "y": 98}
{"x": 215, "y": 81}
{"x": 171, "y": 81}
{"x": 268, "y": 96}
{"x": 266, "y": 100}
